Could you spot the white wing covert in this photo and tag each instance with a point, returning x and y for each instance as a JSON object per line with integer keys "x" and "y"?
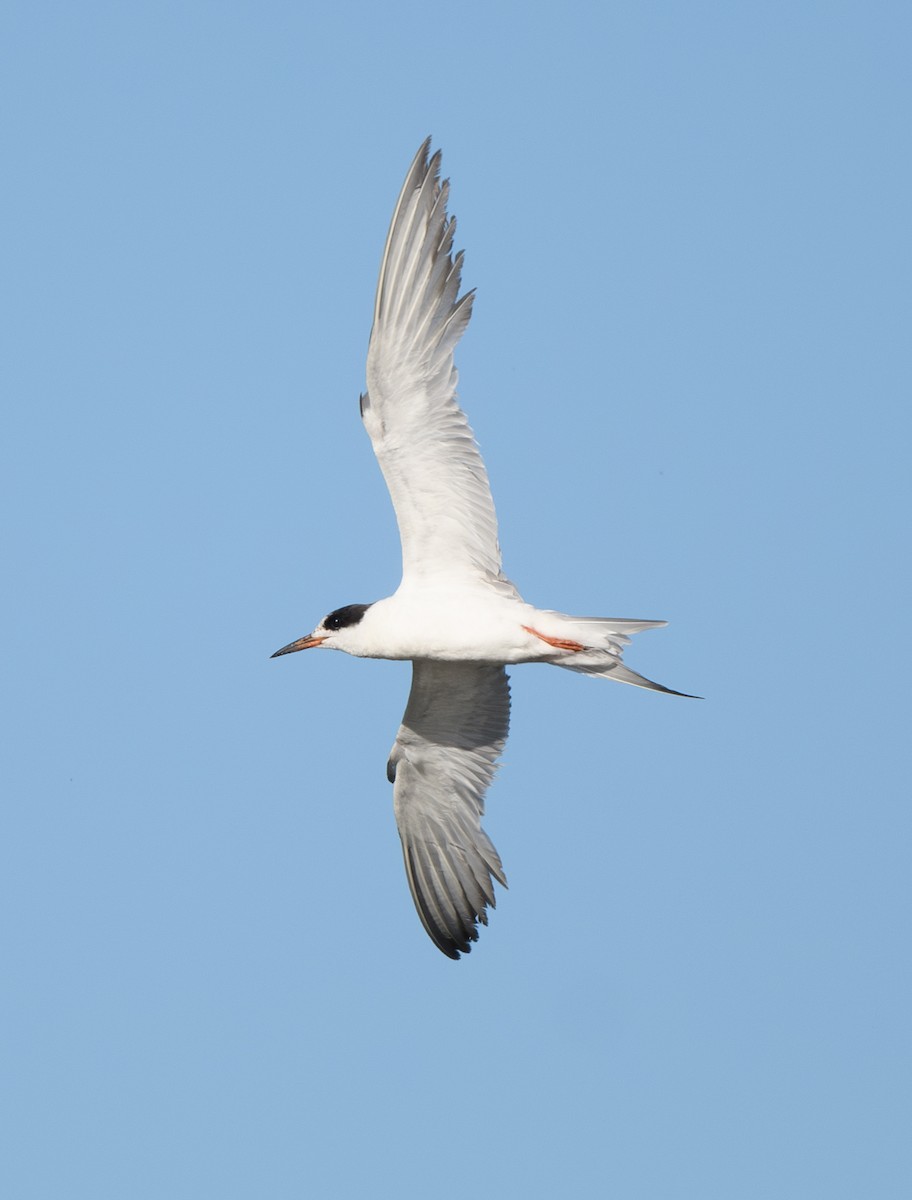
{"x": 426, "y": 450}
{"x": 444, "y": 757}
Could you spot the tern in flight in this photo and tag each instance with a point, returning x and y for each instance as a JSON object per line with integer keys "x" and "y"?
{"x": 455, "y": 615}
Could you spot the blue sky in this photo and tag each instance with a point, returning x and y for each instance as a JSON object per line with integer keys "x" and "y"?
{"x": 689, "y": 372}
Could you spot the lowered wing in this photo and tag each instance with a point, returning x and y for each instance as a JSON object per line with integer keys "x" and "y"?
{"x": 443, "y": 759}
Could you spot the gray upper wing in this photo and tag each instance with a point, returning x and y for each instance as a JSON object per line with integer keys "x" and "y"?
{"x": 441, "y": 764}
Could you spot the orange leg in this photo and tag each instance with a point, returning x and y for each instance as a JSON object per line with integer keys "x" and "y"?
{"x": 558, "y": 643}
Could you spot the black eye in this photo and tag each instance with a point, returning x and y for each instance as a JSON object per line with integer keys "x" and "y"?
{"x": 351, "y": 614}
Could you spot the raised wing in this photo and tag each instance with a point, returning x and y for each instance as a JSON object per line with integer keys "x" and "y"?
{"x": 426, "y": 450}
{"x": 443, "y": 759}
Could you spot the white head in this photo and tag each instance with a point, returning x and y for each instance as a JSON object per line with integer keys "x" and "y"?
{"x": 334, "y": 631}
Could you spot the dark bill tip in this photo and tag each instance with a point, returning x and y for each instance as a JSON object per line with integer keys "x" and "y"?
{"x": 304, "y": 643}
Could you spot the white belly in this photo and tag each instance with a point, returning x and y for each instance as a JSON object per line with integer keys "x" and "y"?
{"x": 473, "y": 625}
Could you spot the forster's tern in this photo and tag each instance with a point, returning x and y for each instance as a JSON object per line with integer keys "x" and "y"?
{"x": 455, "y": 614}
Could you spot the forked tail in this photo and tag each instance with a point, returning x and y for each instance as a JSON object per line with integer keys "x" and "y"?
{"x": 603, "y": 640}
